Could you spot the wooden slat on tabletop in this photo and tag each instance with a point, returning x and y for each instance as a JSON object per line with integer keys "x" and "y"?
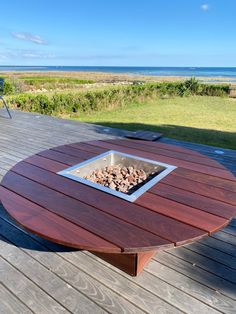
{"x": 170, "y": 147}
{"x": 204, "y": 178}
{"x": 72, "y": 151}
{"x": 85, "y": 146}
{"x": 46, "y": 163}
{"x": 194, "y": 200}
{"x": 200, "y": 188}
{"x": 120, "y": 233}
{"x": 165, "y": 152}
{"x": 160, "y": 225}
{"x": 61, "y": 157}
{"x": 51, "y": 226}
{"x": 172, "y": 161}
{"x": 181, "y": 212}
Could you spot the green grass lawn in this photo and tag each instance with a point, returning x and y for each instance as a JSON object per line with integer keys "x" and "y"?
{"x": 200, "y": 119}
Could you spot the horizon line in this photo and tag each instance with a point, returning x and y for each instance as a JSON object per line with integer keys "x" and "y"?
{"x": 118, "y": 66}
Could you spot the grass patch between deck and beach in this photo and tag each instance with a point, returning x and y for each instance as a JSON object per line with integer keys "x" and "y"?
{"x": 200, "y": 119}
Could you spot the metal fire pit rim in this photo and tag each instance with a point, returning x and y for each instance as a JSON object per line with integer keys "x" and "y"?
{"x": 132, "y": 197}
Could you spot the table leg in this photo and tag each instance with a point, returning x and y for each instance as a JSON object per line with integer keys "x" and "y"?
{"x": 131, "y": 264}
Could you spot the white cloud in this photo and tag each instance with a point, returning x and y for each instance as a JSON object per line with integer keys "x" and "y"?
{"x": 11, "y": 54}
{"x": 37, "y": 54}
{"x": 30, "y": 37}
{"x": 3, "y": 56}
{"x": 205, "y": 7}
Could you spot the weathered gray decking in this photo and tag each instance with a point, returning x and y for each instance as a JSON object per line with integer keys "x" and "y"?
{"x": 41, "y": 277}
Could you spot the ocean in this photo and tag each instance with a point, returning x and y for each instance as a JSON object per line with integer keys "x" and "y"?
{"x": 216, "y": 72}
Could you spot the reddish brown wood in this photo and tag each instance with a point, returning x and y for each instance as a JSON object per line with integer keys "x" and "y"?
{"x": 50, "y": 226}
{"x": 168, "y": 228}
{"x": 45, "y": 163}
{"x": 129, "y": 237}
{"x": 208, "y": 179}
{"x": 181, "y": 212}
{"x": 165, "y": 152}
{"x": 71, "y": 151}
{"x": 89, "y": 148}
{"x": 132, "y": 264}
{"x": 190, "y": 203}
{"x": 200, "y": 188}
{"x": 60, "y": 157}
{"x": 142, "y": 259}
{"x": 125, "y": 262}
{"x": 194, "y": 200}
{"x": 222, "y": 173}
{"x": 170, "y": 147}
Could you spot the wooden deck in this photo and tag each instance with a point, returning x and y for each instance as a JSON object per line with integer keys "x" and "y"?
{"x": 37, "y": 276}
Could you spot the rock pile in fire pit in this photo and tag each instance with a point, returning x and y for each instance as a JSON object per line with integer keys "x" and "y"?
{"x": 118, "y": 178}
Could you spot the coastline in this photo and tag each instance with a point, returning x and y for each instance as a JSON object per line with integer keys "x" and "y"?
{"x": 110, "y": 77}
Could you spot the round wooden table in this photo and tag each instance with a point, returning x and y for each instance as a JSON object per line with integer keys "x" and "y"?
{"x": 195, "y": 200}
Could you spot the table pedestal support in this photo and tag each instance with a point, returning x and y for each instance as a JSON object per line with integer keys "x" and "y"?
{"x": 131, "y": 264}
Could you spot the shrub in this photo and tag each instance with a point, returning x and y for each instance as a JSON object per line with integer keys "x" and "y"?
{"x": 33, "y": 103}
{"x": 214, "y": 90}
{"x": 115, "y": 96}
{"x": 13, "y": 86}
{"x": 9, "y": 87}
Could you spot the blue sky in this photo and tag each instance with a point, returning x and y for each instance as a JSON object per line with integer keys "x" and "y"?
{"x": 116, "y": 33}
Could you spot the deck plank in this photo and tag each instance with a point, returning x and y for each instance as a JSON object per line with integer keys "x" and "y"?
{"x": 203, "y": 276}
{"x": 10, "y": 304}
{"x": 53, "y": 285}
{"x": 219, "y": 245}
{"x": 195, "y": 288}
{"x": 206, "y": 263}
{"x": 225, "y": 237}
{"x": 213, "y": 254}
{"x": 27, "y": 292}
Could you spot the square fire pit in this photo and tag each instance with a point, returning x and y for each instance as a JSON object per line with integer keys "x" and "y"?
{"x": 123, "y": 175}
